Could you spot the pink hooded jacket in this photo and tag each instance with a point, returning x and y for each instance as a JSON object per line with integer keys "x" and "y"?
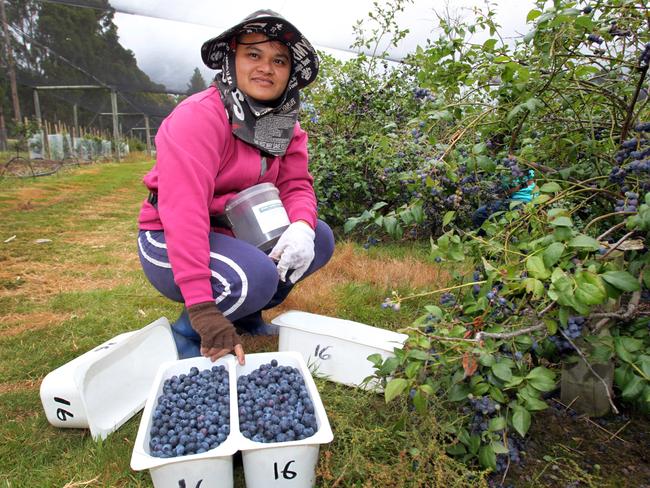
{"x": 200, "y": 165}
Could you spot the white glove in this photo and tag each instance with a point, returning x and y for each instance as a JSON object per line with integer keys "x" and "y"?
{"x": 294, "y": 250}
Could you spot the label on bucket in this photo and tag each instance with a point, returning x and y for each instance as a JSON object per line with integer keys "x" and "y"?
{"x": 271, "y": 215}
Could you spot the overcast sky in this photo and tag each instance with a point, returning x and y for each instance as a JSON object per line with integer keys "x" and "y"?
{"x": 166, "y": 35}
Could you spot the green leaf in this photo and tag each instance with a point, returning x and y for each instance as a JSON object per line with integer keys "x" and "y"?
{"x": 474, "y": 443}
{"x": 582, "y": 71}
{"x": 486, "y": 359}
{"x": 449, "y": 216}
{"x": 389, "y": 366}
{"x": 487, "y": 457}
{"x": 392, "y": 226}
{"x": 499, "y": 448}
{"x": 376, "y": 359}
{"x": 561, "y": 222}
{"x": 630, "y": 344}
{"x": 514, "y": 381}
{"x": 543, "y": 380}
{"x": 633, "y": 388}
{"x": 535, "y": 287}
{"x": 590, "y": 289}
{"x": 585, "y": 22}
{"x": 456, "y": 450}
{"x": 458, "y": 392}
{"x": 621, "y": 280}
{"x": 535, "y": 404}
{"x": 551, "y": 326}
{"x": 378, "y": 205}
{"x": 532, "y": 15}
{"x": 420, "y": 402}
{"x": 551, "y": 187}
{"x": 521, "y": 420}
{"x": 585, "y": 242}
{"x": 434, "y": 310}
{"x": 394, "y": 388}
{"x": 489, "y": 44}
{"x": 553, "y": 253}
{"x": 496, "y": 424}
{"x": 350, "y": 224}
{"x": 463, "y": 436}
{"x": 532, "y": 104}
{"x": 418, "y": 354}
{"x": 418, "y": 214}
{"x": 497, "y": 395}
{"x": 541, "y": 372}
{"x": 622, "y": 352}
{"x": 644, "y": 363}
{"x": 412, "y": 369}
{"x": 563, "y": 315}
{"x": 406, "y": 217}
{"x": 502, "y": 371}
{"x": 535, "y": 266}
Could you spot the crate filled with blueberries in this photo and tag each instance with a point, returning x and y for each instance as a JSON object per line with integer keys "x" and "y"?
{"x": 274, "y": 404}
{"x": 198, "y": 414}
{"x": 192, "y": 414}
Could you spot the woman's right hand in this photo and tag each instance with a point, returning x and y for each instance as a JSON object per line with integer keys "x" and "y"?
{"x": 218, "y": 334}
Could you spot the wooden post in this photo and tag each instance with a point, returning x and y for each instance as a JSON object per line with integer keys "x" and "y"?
{"x": 75, "y": 118}
{"x": 146, "y": 130}
{"x": 3, "y": 130}
{"x": 46, "y": 142}
{"x": 39, "y": 121}
{"x": 116, "y": 128}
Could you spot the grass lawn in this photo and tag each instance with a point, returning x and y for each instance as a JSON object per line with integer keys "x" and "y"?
{"x": 70, "y": 279}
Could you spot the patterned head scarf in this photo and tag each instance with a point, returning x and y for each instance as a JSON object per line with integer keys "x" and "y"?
{"x": 267, "y": 127}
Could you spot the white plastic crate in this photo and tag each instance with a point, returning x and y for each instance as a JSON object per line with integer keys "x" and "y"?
{"x": 336, "y": 349}
{"x": 211, "y": 469}
{"x": 284, "y": 464}
{"x": 266, "y": 465}
{"x": 103, "y": 388}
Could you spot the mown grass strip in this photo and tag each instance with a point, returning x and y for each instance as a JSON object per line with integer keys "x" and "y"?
{"x": 61, "y": 298}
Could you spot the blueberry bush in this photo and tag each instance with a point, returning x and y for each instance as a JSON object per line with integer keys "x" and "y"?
{"x": 412, "y": 151}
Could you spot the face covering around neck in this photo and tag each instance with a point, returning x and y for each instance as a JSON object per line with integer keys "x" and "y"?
{"x": 265, "y": 126}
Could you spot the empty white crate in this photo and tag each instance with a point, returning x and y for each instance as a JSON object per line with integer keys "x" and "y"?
{"x": 336, "y": 349}
{"x": 211, "y": 469}
{"x": 106, "y": 386}
{"x": 284, "y": 464}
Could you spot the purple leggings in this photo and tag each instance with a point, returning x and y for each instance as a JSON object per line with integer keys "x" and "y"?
{"x": 244, "y": 279}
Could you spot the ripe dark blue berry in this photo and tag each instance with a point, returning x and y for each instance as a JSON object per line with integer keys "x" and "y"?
{"x": 190, "y": 411}
{"x": 274, "y": 404}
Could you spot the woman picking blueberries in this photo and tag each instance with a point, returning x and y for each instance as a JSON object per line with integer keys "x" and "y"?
{"x": 239, "y": 132}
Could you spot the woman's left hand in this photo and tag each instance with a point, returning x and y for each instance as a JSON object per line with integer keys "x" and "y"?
{"x": 294, "y": 250}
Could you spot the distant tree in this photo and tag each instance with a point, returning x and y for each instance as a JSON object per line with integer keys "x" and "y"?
{"x": 197, "y": 83}
{"x": 56, "y": 44}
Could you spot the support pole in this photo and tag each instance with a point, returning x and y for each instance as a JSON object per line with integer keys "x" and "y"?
{"x": 3, "y": 130}
{"x": 75, "y": 120}
{"x": 39, "y": 122}
{"x": 116, "y": 127}
{"x": 10, "y": 64}
{"x": 146, "y": 127}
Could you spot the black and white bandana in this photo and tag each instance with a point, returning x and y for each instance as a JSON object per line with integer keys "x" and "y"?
{"x": 267, "y": 127}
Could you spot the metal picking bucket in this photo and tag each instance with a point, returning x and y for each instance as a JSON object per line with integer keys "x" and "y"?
{"x": 257, "y": 215}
